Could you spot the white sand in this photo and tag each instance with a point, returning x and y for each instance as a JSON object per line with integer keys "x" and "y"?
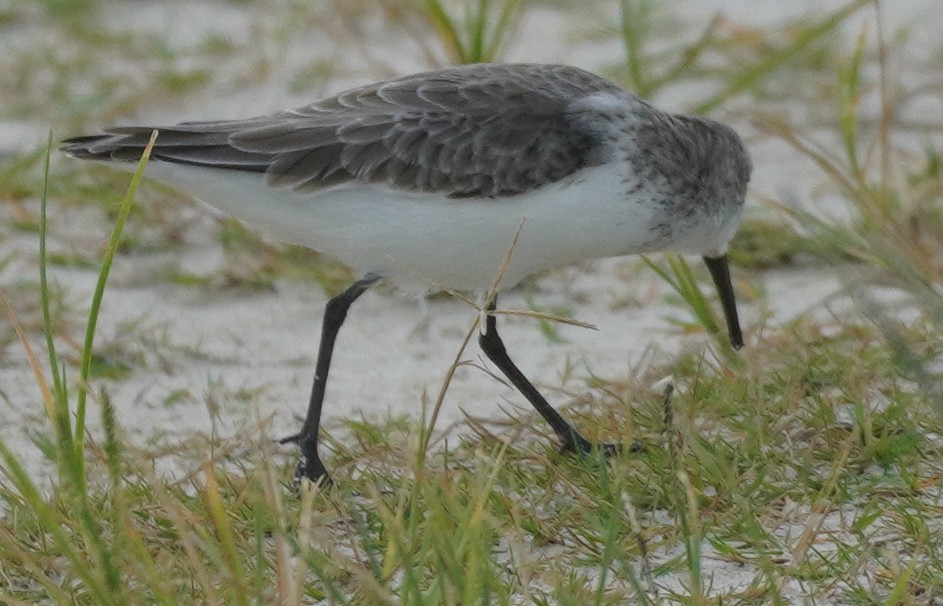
{"x": 388, "y": 360}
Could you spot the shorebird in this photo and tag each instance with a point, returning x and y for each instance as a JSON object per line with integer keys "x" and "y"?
{"x": 425, "y": 180}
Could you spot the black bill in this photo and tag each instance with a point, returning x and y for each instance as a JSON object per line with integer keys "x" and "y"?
{"x": 720, "y": 272}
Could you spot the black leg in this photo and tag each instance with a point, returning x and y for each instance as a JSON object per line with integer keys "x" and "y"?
{"x": 493, "y": 346}
{"x": 720, "y": 272}
{"x": 335, "y": 312}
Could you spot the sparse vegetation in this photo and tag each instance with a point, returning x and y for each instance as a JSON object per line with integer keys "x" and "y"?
{"x": 805, "y": 469}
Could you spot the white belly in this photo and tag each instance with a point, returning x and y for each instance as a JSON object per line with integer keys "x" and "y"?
{"x": 419, "y": 241}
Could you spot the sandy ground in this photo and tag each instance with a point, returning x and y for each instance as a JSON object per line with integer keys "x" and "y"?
{"x": 394, "y": 351}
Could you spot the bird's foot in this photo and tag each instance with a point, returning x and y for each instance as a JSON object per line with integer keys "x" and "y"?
{"x": 309, "y": 466}
{"x": 577, "y": 444}
{"x": 312, "y": 470}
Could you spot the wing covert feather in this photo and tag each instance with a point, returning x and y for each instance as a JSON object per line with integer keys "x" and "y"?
{"x": 480, "y": 130}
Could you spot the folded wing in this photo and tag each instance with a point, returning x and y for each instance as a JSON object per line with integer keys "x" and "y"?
{"x": 474, "y": 131}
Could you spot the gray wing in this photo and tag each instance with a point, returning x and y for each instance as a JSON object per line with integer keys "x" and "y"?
{"x": 480, "y": 130}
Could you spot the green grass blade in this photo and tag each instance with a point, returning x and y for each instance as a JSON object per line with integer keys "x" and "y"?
{"x": 87, "y": 348}
{"x": 849, "y": 97}
{"x": 511, "y": 10}
{"x": 478, "y": 32}
{"x": 748, "y": 77}
{"x": 49, "y": 331}
{"x": 689, "y": 517}
{"x": 229, "y": 552}
{"x": 680, "y": 277}
{"x": 57, "y": 407}
{"x": 688, "y": 56}
{"x": 635, "y": 25}
{"x": 448, "y": 31}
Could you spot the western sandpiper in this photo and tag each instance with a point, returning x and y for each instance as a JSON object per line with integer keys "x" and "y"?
{"x": 425, "y": 180}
